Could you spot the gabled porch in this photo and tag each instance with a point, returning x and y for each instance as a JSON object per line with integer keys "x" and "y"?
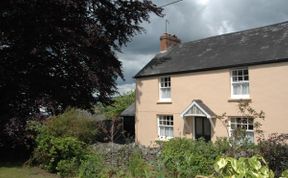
{"x": 199, "y": 120}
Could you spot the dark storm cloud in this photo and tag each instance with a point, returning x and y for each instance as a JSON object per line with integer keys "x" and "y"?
{"x": 196, "y": 19}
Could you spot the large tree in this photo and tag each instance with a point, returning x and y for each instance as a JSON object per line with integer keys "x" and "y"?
{"x": 59, "y": 53}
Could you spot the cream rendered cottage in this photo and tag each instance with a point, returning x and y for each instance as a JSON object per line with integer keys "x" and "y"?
{"x": 181, "y": 90}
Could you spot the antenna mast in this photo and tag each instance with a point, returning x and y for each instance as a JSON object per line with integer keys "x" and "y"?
{"x": 174, "y": 2}
{"x": 166, "y": 20}
{"x": 166, "y": 25}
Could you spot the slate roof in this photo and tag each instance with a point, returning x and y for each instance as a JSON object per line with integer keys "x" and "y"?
{"x": 262, "y": 45}
{"x": 129, "y": 111}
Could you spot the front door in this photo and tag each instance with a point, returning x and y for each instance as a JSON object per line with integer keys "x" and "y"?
{"x": 202, "y": 128}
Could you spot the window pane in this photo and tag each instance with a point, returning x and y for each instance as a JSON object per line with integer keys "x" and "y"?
{"x": 250, "y": 136}
{"x": 169, "y": 132}
{"x": 165, "y": 93}
{"x": 246, "y": 78}
{"x": 250, "y": 127}
{"x": 240, "y": 72}
{"x": 236, "y": 89}
{"x": 245, "y": 88}
{"x": 244, "y": 121}
{"x": 162, "y": 131}
{"x": 246, "y": 72}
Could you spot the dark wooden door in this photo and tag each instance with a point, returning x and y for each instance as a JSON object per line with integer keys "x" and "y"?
{"x": 202, "y": 128}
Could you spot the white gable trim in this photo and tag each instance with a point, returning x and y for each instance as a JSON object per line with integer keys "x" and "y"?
{"x": 194, "y": 103}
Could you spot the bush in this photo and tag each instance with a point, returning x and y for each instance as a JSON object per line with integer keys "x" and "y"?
{"x": 275, "y": 152}
{"x": 52, "y": 153}
{"x": 73, "y": 123}
{"x": 188, "y": 158}
{"x": 92, "y": 166}
{"x": 67, "y": 168}
{"x": 137, "y": 166}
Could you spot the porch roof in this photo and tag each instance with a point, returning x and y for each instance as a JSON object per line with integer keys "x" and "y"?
{"x": 198, "y": 108}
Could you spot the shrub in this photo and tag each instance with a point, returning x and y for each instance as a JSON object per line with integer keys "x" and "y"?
{"x": 52, "y": 152}
{"x": 67, "y": 168}
{"x": 137, "y": 166}
{"x": 187, "y": 158}
{"x": 92, "y": 166}
{"x": 275, "y": 152}
{"x": 73, "y": 123}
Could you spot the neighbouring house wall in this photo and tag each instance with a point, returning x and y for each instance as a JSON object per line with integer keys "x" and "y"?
{"x": 268, "y": 92}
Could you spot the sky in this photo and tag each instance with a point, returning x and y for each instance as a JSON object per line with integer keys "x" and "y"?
{"x": 190, "y": 20}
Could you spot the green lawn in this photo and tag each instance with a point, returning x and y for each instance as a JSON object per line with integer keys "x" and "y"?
{"x": 18, "y": 171}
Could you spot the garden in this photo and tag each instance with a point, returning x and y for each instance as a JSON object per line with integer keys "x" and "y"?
{"x": 65, "y": 145}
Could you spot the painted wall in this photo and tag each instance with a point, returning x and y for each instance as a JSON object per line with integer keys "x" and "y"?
{"x": 268, "y": 92}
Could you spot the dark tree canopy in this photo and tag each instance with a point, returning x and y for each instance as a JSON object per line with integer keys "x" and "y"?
{"x": 58, "y": 53}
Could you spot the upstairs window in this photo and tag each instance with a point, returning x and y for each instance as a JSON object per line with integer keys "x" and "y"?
{"x": 240, "y": 83}
{"x": 165, "y": 126}
{"x": 244, "y": 124}
{"x": 165, "y": 88}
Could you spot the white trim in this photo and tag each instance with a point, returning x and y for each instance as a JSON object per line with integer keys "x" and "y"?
{"x": 160, "y": 92}
{"x": 158, "y": 127}
{"x": 183, "y": 114}
{"x": 240, "y": 96}
{"x": 246, "y": 130}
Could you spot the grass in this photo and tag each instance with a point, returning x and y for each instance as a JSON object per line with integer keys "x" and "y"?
{"x": 18, "y": 171}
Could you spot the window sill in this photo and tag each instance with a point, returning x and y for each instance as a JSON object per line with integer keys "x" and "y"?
{"x": 163, "y": 139}
{"x": 239, "y": 100}
{"x": 164, "y": 102}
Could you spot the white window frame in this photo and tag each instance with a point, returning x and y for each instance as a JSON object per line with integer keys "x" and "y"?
{"x": 169, "y": 124}
{"x": 162, "y": 84}
{"x": 241, "y": 83}
{"x": 248, "y": 125}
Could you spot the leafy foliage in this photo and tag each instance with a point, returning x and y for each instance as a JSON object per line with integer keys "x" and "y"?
{"x": 74, "y": 123}
{"x": 137, "y": 166}
{"x": 285, "y": 173}
{"x": 120, "y": 103}
{"x": 67, "y": 168}
{"x": 275, "y": 152}
{"x": 240, "y": 144}
{"x": 253, "y": 167}
{"x": 57, "y": 53}
{"x": 188, "y": 158}
{"x": 53, "y": 153}
{"x": 92, "y": 166}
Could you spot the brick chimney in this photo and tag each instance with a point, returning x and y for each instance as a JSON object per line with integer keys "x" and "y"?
{"x": 167, "y": 40}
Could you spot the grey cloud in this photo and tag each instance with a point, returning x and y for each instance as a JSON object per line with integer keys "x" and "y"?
{"x": 132, "y": 64}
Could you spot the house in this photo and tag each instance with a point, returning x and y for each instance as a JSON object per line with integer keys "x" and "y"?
{"x": 182, "y": 89}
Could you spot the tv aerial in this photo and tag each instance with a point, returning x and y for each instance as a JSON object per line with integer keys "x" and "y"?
{"x": 165, "y": 5}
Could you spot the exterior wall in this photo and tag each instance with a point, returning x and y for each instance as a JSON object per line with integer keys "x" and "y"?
{"x": 268, "y": 92}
